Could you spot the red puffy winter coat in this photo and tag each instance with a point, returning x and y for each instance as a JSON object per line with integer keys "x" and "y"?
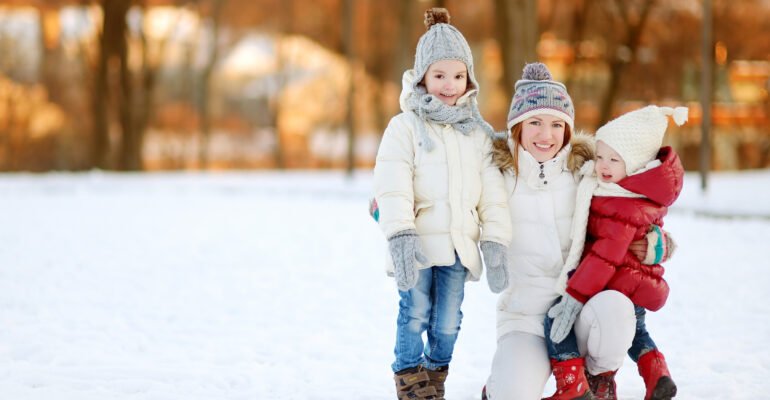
{"x": 615, "y": 222}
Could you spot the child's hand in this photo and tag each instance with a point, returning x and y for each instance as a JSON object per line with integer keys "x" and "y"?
{"x": 564, "y": 314}
{"x": 656, "y": 247}
{"x": 496, "y": 260}
{"x": 669, "y": 245}
{"x": 406, "y": 251}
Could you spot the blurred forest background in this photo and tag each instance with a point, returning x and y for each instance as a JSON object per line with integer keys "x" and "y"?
{"x": 239, "y": 84}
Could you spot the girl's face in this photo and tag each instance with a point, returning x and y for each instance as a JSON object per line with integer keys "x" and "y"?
{"x": 609, "y": 167}
{"x": 543, "y": 136}
{"x": 447, "y": 80}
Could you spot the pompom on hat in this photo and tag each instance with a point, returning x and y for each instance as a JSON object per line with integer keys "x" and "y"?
{"x": 442, "y": 41}
{"x": 637, "y": 135}
{"x": 537, "y": 93}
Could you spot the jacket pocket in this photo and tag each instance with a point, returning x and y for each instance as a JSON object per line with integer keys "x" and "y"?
{"x": 475, "y": 215}
{"x": 422, "y": 206}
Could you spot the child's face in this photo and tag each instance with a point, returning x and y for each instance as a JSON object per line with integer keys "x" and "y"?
{"x": 609, "y": 167}
{"x": 447, "y": 80}
{"x": 543, "y": 136}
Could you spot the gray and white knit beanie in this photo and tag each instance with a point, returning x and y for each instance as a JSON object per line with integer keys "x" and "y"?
{"x": 637, "y": 135}
{"x": 537, "y": 93}
{"x": 441, "y": 42}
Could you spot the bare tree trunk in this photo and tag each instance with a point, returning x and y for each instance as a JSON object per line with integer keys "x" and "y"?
{"x": 706, "y": 92}
{"x": 404, "y": 47}
{"x": 504, "y": 29}
{"x": 280, "y": 78}
{"x": 204, "y": 89}
{"x": 378, "y": 68}
{"x": 517, "y": 34}
{"x": 580, "y": 12}
{"x": 49, "y": 73}
{"x": 348, "y": 13}
{"x": 129, "y": 150}
{"x": 141, "y": 112}
{"x": 112, "y": 43}
{"x": 50, "y": 55}
{"x": 100, "y": 144}
{"x": 618, "y": 64}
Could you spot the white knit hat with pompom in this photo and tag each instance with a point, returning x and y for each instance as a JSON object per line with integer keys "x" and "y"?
{"x": 637, "y": 135}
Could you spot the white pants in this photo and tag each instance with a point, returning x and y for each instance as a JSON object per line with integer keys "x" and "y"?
{"x": 604, "y": 329}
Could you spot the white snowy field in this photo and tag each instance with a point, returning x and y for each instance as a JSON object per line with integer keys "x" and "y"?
{"x": 271, "y": 286}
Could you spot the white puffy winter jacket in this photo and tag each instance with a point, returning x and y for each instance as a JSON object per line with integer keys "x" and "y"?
{"x": 446, "y": 194}
{"x": 541, "y": 214}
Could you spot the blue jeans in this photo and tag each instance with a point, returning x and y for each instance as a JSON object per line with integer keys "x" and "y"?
{"x": 567, "y": 349}
{"x": 642, "y": 341}
{"x": 433, "y": 305}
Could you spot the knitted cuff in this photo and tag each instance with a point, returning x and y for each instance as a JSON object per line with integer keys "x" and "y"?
{"x": 655, "y": 248}
{"x": 407, "y": 232}
{"x": 670, "y": 247}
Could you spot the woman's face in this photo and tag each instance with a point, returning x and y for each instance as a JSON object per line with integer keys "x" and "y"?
{"x": 447, "y": 80}
{"x": 543, "y": 136}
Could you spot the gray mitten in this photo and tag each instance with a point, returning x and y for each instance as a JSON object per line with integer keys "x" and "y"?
{"x": 405, "y": 249}
{"x": 564, "y": 314}
{"x": 496, "y": 260}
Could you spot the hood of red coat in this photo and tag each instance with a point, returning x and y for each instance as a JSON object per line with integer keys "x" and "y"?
{"x": 661, "y": 184}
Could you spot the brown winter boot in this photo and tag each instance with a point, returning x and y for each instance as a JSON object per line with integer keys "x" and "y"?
{"x": 413, "y": 384}
{"x": 571, "y": 383}
{"x": 437, "y": 378}
{"x": 603, "y": 385}
{"x": 653, "y": 369}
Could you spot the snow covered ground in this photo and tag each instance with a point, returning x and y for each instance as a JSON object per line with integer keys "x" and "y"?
{"x": 271, "y": 286}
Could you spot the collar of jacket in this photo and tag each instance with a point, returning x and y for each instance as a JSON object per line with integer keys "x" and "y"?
{"x": 538, "y": 175}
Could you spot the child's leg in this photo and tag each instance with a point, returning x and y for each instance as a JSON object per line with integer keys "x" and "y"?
{"x": 650, "y": 362}
{"x": 642, "y": 342}
{"x": 448, "y": 291}
{"x": 566, "y": 364}
{"x": 567, "y": 349}
{"x": 413, "y": 317}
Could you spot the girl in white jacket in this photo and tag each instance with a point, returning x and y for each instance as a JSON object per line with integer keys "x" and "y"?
{"x": 540, "y": 160}
{"x": 436, "y": 186}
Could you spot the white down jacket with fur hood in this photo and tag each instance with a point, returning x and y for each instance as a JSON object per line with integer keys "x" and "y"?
{"x": 542, "y": 201}
{"x": 446, "y": 194}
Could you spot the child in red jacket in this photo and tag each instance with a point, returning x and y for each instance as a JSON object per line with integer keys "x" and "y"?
{"x": 632, "y": 184}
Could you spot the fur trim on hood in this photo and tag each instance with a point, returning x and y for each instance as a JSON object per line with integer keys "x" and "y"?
{"x": 583, "y": 149}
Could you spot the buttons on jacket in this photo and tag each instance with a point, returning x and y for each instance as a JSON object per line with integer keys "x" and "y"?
{"x": 542, "y": 174}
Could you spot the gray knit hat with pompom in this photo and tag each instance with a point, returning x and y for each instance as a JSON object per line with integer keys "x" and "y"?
{"x": 441, "y": 42}
{"x": 537, "y": 93}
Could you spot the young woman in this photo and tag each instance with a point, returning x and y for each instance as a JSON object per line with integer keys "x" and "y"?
{"x": 540, "y": 161}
